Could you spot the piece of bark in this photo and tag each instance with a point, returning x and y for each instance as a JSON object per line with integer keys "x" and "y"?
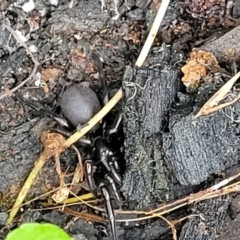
{"x": 195, "y": 149}
{"x": 144, "y": 116}
{"x": 86, "y": 16}
{"x": 225, "y": 48}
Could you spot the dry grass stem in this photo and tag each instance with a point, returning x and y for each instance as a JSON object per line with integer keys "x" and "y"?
{"x": 79, "y": 167}
{"x": 211, "y": 105}
{"x": 153, "y": 32}
{"x": 27, "y": 185}
{"x": 200, "y": 196}
{"x": 172, "y": 226}
{"x": 84, "y": 215}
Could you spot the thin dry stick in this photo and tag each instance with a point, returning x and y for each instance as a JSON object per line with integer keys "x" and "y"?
{"x": 205, "y": 194}
{"x": 153, "y": 32}
{"x": 36, "y": 63}
{"x": 84, "y": 215}
{"x": 28, "y": 183}
{"x": 38, "y": 197}
{"x": 171, "y": 225}
{"x": 217, "y": 97}
{"x": 221, "y": 106}
{"x": 150, "y": 215}
{"x": 80, "y": 163}
{"x": 44, "y": 157}
{"x": 224, "y": 182}
{"x": 187, "y": 217}
{"x": 89, "y": 205}
{"x": 48, "y": 206}
{"x": 202, "y": 195}
{"x": 66, "y": 202}
{"x": 155, "y": 212}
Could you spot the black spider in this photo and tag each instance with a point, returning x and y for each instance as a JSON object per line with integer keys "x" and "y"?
{"x": 107, "y": 156}
{"x": 105, "y": 161}
{"x": 104, "y": 165}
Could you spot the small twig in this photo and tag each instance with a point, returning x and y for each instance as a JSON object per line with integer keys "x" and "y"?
{"x": 167, "y": 208}
{"x": 28, "y": 183}
{"x": 84, "y": 215}
{"x": 36, "y": 63}
{"x": 48, "y": 206}
{"x": 150, "y": 214}
{"x": 224, "y": 182}
{"x": 172, "y": 226}
{"x": 153, "y": 32}
{"x": 187, "y": 217}
{"x": 59, "y": 171}
{"x": 200, "y": 196}
{"x": 221, "y": 106}
{"x": 86, "y": 203}
{"x": 211, "y": 105}
{"x": 80, "y": 163}
{"x": 41, "y": 196}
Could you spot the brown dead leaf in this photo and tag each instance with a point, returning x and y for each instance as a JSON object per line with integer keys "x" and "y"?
{"x": 53, "y": 143}
{"x": 75, "y": 189}
{"x": 155, "y": 4}
{"x": 33, "y": 22}
{"x": 12, "y": 123}
{"x": 77, "y": 178}
{"x": 211, "y": 21}
{"x": 198, "y": 66}
{"x": 230, "y": 54}
{"x": 60, "y": 195}
{"x": 179, "y": 28}
{"x": 50, "y": 74}
{"x": 79, "y": 59}
{"x": 133, "y": 35}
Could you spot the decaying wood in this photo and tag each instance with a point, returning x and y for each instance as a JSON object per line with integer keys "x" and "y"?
{"x": 148, "y": 93}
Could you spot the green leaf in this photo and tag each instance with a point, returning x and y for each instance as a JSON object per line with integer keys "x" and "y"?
{"x": 38, "y": 231}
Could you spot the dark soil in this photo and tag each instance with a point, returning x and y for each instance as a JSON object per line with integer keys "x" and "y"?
{"x": 168, "y": 153}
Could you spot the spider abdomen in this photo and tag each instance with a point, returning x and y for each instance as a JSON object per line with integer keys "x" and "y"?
{"x": 79, "y": 104}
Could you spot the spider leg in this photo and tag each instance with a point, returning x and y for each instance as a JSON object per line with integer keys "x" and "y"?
{"x": 115, "y": 164}
{"x": 109, "y": 209}
{"x": 88, "y": 168}
{"x": 99, "y": 66}
{"x": 117, "y": 123}
{"x": 115, "y": 174}
{"x": 109, "y": 165}
{"x": 40, "y": 110}
{"x": 114, "y": 189}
